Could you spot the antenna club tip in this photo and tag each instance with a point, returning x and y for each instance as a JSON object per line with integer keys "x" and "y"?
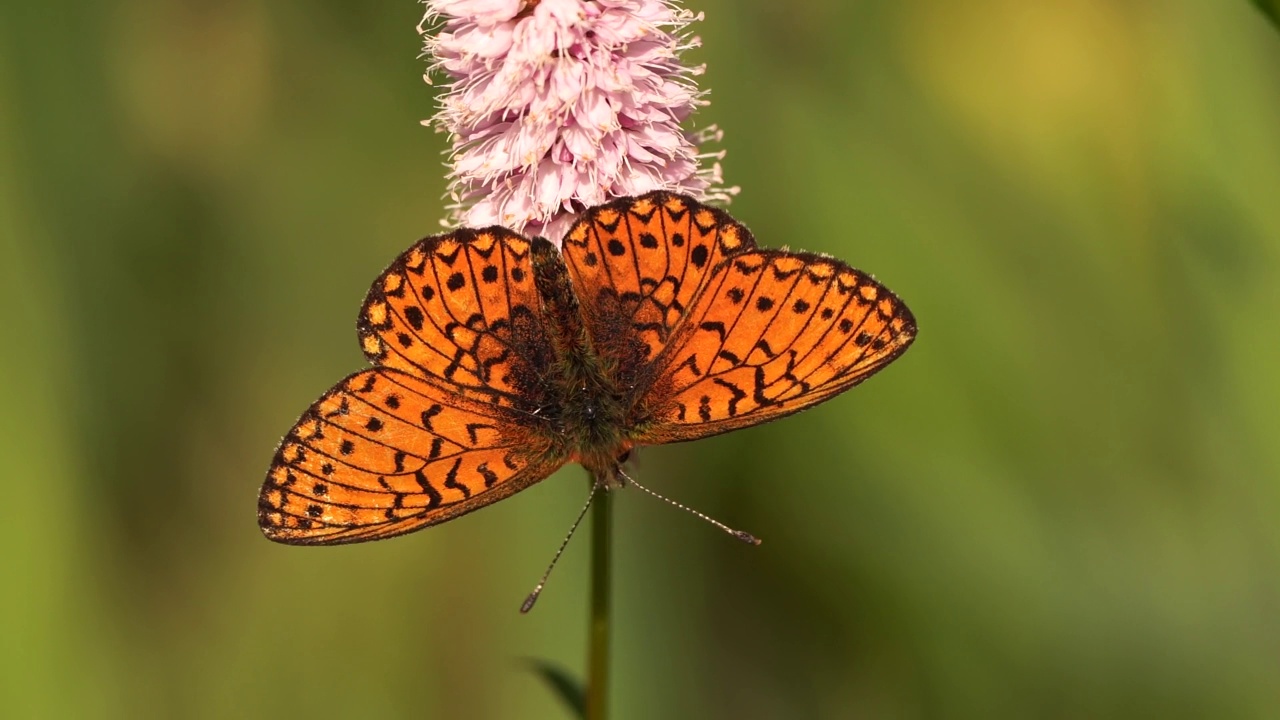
{"x": 747, "y": 537}
{"x": 527, "y": 605}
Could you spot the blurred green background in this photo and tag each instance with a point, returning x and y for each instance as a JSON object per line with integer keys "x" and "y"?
{"x": 1061, "y": 503}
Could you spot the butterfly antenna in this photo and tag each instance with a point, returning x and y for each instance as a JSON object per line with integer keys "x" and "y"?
{"x": 745, "y": 537}
{"x": 527, "y": 605}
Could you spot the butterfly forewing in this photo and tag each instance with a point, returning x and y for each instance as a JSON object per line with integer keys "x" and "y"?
{"x": 637, "y": 264}
{"x": 773, "y": 333}
{"x": 462, "y": 308}
{"x": 384, "y": 453}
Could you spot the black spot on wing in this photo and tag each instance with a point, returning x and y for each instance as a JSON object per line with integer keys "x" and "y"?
{"x": 699, "y": 255}
{"x": 414, "y": 315}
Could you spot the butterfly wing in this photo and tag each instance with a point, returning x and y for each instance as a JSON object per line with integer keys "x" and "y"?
{"x": 772, "y": 333}
{"x": 637, "y": 265}
{"x": 384, "y": 453}
{"x": 714, "y": 334}
{"x": 446, "y": 423}
{"x": 462, "y": 308}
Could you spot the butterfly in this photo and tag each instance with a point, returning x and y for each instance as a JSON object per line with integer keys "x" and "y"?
{"x": 499, "y": 358}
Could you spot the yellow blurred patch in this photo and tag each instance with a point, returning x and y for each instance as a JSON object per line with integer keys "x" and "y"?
{"x": 1034, "y": 80}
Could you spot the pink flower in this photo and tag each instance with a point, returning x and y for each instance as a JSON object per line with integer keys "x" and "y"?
{"x": 558, "y": 105}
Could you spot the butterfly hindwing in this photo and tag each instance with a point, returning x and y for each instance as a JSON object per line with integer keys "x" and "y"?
{"x": 384, "y": 453}
{"x": 773, "y": 333}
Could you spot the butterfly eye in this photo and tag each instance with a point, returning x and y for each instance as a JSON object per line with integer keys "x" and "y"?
{"x": 624, "y": 457}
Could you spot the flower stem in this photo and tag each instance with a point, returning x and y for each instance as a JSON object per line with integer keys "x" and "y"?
{"x": 598, "y": 640}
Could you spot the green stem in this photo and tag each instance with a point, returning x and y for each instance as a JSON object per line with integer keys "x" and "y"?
{"x": 598, "y": 649}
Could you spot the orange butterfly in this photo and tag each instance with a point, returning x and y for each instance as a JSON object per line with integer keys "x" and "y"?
{"x": 498, "y": 358}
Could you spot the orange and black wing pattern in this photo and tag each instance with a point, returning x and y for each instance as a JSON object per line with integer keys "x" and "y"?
{"x": 637, "y": 265}
{"x": 385, "y": 453}
{"x": 446, "y": 422}
{"x": 772, "y": 333}
{"x": 704, "y": 332}
{"x": 462, "y": 308}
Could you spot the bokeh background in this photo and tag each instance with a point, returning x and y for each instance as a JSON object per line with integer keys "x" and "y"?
{"x": 1063, "y": 502}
